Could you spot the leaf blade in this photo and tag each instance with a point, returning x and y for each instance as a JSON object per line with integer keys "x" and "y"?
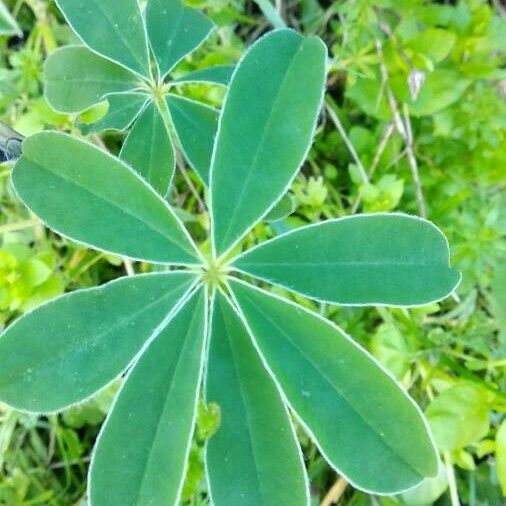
{"x": 86, "y": 194}
{"x": 376, "y": 437}
{"x": 174, "y": 31}
{"x": 8, "y": 25}
{"x": 80, "y": 352}
{"x": 141, "y": 453}
{"x": 148, "y": 149}
{"x": 195, "y": 125}
{"x": 218, "y": 74}
{"x": 278, "y": 84}
{"x": 75, "y": 79}
{"x": 371, "y": 259}
{"x": 255, "y": 434}
{"x": 112, "y": 29}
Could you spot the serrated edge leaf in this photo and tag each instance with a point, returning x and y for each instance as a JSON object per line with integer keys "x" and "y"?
{"x": 345, "y": 218}
{"x": 287, "y": 402}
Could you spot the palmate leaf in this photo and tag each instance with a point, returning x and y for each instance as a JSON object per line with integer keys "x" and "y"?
{"x": 75, "y": 79}
{"x": 123, "y": 110}
{"x": 148, "y": 149}
{"x": 8, "y": 25}
{"x": 174, "y": 31}
{"x": 265, "y": 130}
{"x": 114, "y": 29}
{"x": 67, "y": 349}
{"x": 195, "y": 125}
{"x": 142, "y": 449}
{"x": 361, "y": 420}
{"x": 368, "y": 259}
{"x": 253, "y": 458}
{"x": 84, "y": 193}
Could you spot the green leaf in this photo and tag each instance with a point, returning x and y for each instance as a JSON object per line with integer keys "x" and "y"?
{"x": 148, "y": 149}
{"x": 195, "y": 125}
{"x": 142, "y": 449}
{"x": 255, "y": 434}
{"x": 112, "y": 29}
{"x": 266, "y": 127}
{"x": 500, "y": 455}
{"x": 219, "y": 74}
{"x": 174, "y": 31}
{"x": 75, "y": 79}
{"x": 284, "y": 208}
{"x": 369, "y": 259}
{"x": 8, "y": 25}
{"x": 82, "y": 192}
{"x": 459, "y": 416}
{"x": 123, "y": 109}
{"x": 363, "y": 422}
{"x": 67, "y": 349}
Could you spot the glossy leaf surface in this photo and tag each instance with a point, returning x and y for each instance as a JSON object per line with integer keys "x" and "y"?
{"x": 111, "y": 28}
{"x": 142, "y": 450}
{"x": 195, "y": 125}
{"x": 253, "y": 459}
{"x": 364, "y": 424}
{"x": 82, "y": 192}
{"x": 174, "y": 31}
{"x": 67, "y": 349}
{"x": 218, "y": 74}
{"x": 266, "y": 128}
{"x": 75, "y": 79}
{"x": 123, "y": 109}
{"x": 367, "y": 259}
{"x": 148, "y": 149}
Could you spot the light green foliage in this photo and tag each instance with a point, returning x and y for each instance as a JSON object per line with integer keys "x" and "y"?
{"x": 8, "y": 25}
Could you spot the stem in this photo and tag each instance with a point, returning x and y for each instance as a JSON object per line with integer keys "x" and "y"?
{"x": 335, "y": 492}
{"x": 271, "y": 13}
{"x": 20, "y": 225}
{"x": 330, "y": 105}
{"x": 452, "y": 483}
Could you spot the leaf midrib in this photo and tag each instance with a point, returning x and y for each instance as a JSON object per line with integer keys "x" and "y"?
{"x": 339, "y": 393}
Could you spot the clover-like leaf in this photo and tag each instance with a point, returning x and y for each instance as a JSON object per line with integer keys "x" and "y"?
{"x": 148, "y": 149}
{"x": 361, "y": 420}
{"x": 114, "y": 29}
{"x": 368, "y": 259}
{"x": 174, "y": 31}
{"x": 123, "y": 110}
{"x": 255, "y": 434}
{"x": 195, "y": 125}
{"x": 86, "y": 194}
{"x": 75, "y": 79}
{"x": 67, "y": 349}
{"x": 8, "y": 25}
{"x": 141, "y": 452}
{"x": 265, "y": 130}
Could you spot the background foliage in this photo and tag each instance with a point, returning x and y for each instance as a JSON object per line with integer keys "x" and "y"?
{"x": 414, "y": 120}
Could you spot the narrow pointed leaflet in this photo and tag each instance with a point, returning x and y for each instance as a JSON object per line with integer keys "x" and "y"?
{"x": 141, "y": 453}
{"x": 362, "y": 421}
{"x": 84, "y": 193}
{"x": 218, "y": 74}
{"x": 369, "y": 259}
{"x": 8, "y": 25}
{"x": 148, "y": 149}
{"x": 67, "y": 349}
{"x": 114, "y": 29}
{"x": 265, "y": 130}
{"x": 253, "y": 459}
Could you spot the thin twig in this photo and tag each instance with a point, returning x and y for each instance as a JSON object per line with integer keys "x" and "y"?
{"x": 181, "y": 166}
{"x": 329, "y": 105}
{"x": 335, "y": 492}
{"x": 129, "y": 266}
{"x": 452, "y": 484}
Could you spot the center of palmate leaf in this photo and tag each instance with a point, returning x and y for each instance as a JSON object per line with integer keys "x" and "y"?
{"x": 158, "y": 90}
{"x": 214, "y": 273}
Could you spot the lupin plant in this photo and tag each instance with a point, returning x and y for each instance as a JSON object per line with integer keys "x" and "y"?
{"x": 205, "y": 325}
